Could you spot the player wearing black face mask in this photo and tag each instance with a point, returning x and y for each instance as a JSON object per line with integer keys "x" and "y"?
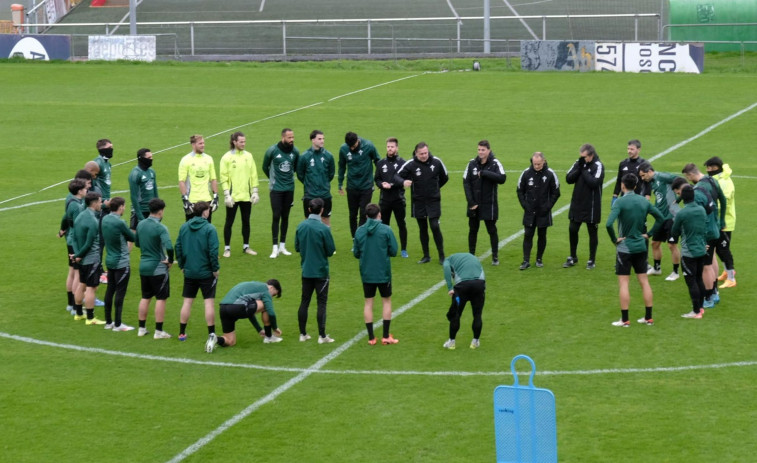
{"x": 142, "y": 187}
{"x": 102, "y": 182}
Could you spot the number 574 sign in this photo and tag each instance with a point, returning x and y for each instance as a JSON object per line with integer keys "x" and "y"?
{"x": 649, "y": 57}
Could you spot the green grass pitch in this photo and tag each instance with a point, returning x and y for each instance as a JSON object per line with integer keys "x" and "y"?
{"x": 680, "y": 391}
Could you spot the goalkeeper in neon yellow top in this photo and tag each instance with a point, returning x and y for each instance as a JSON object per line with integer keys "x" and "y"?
{"x": 197, "y": 178}
{"x": 239, "y": 182}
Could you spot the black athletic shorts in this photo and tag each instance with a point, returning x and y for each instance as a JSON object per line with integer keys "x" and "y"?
{"x": 133, "y": 219}
{"x": 664, "y": 233}
{"x": 712, "y": 245}
{"x": 69, "y": 252}
{"x": 230, "y": 313}
{"x": 157, "y": 286}
{"x": 384, "y": 289}
{"x": 326, "y": 206}
{"x": 207, "y": 285}
{"x": 624, "y": 262}
{"x": 89, "y": 274}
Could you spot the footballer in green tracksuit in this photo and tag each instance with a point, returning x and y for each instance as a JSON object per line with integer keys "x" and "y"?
{"x": 154, "y": 241}
{"x": 143, "y": 187}
{"x": 315, "y": 169}
{"x": 86, "y": 245}
{"x": 74, "y": 204}
{"x": 279, "y": 165}
{"x": 374, "y": 245}
{"x": 117, "y": 236}
{"x": 690, "y": 225}
{"x": 715, "y": 222}
{"x": 197, "y": 256}
{"x": 357, "y": 158}
{"x": 665, "y": 200}
{"x": 631, "y": 210}
{"x": 315, "y": 244}
{"x": 103, "y": 182}
{"x": 465, "y": 282}
{"x": 243, "y": 301}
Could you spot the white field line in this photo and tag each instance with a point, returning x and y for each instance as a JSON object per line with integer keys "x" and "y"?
{"x": 378, "y": 85}
{"x": 251, "y": 366}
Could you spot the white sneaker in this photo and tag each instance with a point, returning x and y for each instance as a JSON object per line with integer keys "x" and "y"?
{"x": 652, "y": 271}
{"x": 275, "y": 252}
{"x": 283, "y": 250}
{"x": 250, "y": 251}
{"x": 304, "y": 337}
{"x": 123, "y": 327}
{"x": 160, "y": 335}
{"x": 142, "y": 331}
{"x": 325, "y": 340}
{"x": 450, "y": 344}
{"x": 272, "y": 339}
{"x": 109, "y": 326}
{"x": 475, "y": 344}
{"x": 621, "y": 323}
{"x": 210, "y": 344}
{"x": 227, "y": 253}
{"x": 692, "y": 314}
{"x": 70, "y": 309}
{"x": 673, "y": 276}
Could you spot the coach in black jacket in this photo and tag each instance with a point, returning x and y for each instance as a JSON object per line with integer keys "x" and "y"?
{"x": 538, "y": 190}
{"x": 426, "y": 175}
{"x": 392, "y": 198}
{"x": 480, "y": 181}
{"x": 587, "y": 174}
{"x": 630, "y": 165}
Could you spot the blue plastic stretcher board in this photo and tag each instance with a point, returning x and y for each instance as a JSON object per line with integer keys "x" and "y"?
{"x": 525, "y": 424}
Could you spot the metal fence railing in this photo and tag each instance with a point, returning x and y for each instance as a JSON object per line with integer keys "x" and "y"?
{"x": 378, "y": 36}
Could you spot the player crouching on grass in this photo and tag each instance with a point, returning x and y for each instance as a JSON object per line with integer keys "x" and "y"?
{"x": 244, "y": 301}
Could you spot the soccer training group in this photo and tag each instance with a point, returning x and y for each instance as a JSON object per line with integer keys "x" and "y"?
{"x": 694, "y": 231}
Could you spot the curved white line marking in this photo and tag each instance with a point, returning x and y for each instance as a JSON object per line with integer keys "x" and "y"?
{"x": 315, "y": 369}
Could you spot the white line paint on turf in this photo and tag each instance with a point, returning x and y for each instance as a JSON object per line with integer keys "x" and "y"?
{"x": 262, "y": 5}
{"x": 313, "y": 369}
{"x": 378, "y": 85}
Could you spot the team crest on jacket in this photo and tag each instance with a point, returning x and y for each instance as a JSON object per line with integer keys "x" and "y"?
{"x": 384, "y": 168}
{"x": 432, "y": 167}
{"x": 285, "y": 166}
{"x": 475, "y": 171}
{"x": 349, "y": 156}
{"x": 530, "y": 181}
{"x": 418, "y": 172}
{"x": 312, "y": 162}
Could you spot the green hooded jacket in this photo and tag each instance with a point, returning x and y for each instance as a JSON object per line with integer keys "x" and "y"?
{"x": 197, "y": 249}
{"x": 374, "y": 245}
